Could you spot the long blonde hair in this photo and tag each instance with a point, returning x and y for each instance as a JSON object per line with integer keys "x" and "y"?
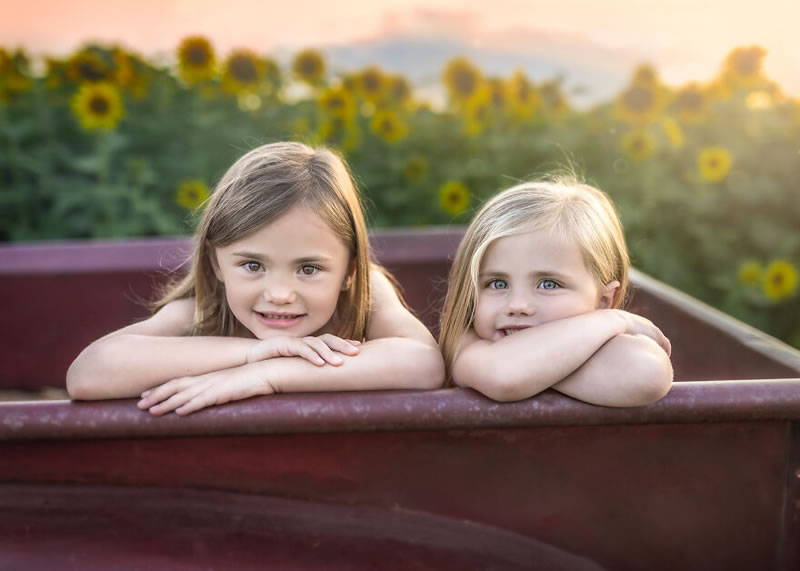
{"x": 561, "y": 204}
{"x": 260, "y": 187}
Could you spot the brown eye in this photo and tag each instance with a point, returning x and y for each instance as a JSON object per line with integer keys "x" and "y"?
{"x": 309, "y": 270}
{"x": 252, "y": 266}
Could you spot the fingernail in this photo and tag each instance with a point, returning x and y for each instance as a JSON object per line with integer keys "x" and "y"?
{"x": 145, "y": 393}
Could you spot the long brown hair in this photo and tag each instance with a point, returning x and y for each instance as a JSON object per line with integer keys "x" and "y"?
{"x": 260, "y": 187}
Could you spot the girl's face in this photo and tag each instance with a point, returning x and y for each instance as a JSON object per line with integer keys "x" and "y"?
{"x": 285, "y": 278}
{"x": 531, "y": 278}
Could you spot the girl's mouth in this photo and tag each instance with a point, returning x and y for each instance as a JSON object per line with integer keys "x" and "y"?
{"x": 279, "y": 320}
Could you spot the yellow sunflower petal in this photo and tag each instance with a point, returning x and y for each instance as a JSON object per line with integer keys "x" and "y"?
{"x": 714, "y": 163}
{"x": 98, "y": 106}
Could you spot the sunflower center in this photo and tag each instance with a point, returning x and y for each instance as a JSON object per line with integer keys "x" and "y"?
{"x": 198, "y": 56}
{"x": 464, "y": 82}
{"x": 691, "y": 100}
{"x": 777, "y": 280}
{"x": 387, "y": 126}
{"x": 371, "y": 82}
{"x": 335, "y": 103}
{"x": 309, "y": 66}
{"x": 99, "y": 105}
{"x": 713, "y": 163}
{"x": 454, "y": 197}
{"x": 638, "y": 98}
{"x": 243, "y": 69}
{"x": 747, "y": 63}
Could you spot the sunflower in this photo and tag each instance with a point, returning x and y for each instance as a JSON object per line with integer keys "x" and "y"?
{"x": 640, "y": 103}
{"x": 780, "y": 280}
{"x": 498, "y": 96}
{"x": 341, "y": 132}
{"x": 87, "y": 66}
{"x": 191, "y": 193}
{"x": 415, "y": 169}
{"x": 714, "y": 163}
{"x": 553, "y": 99}
{"x": 462, "y": 80}
{"x": 388, "y": 126}
{"x": 55, "y": 73}
{"x": 743, "y": 66}
{"x": 522, "y": 95}
{"x": 372, "y": 84}
{"x": 98, "y": 106}
{"x": 638, "y": 144}
{"x": 337, "y": 102}
{"x": 453, "y": 197}
{"x": 479, "y": 112}
{"x": 196, "y": 60}
{"x": 690, "y": 103}
{"x": 243, "y": 72}
{"x": 272, "y": 73}
{"x": 750, "y": 273}
{"x": 399, "y": 90}
{"x": 673, "y": 132}
{"x": 645, "y": 74}
{"x": 308, "y": 66}
{"x": 14, "y": 74}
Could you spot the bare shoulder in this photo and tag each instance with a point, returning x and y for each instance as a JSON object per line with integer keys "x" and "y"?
{"x": 388, "y": 316}
{"x": 173, "y": 320}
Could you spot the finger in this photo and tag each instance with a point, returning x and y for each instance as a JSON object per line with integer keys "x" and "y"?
{"x": 339, "y": 344}
{"x": 177, "y": 399}
{"x": 299, "y": 348}
{"x": 323, "y": 350}
{"x": 160, "y": 393}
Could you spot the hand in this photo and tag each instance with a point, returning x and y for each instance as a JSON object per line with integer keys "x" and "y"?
{"x": 317, "y": 350}
{"x": 638, "y": 325}
{"x": 188, "y": 394}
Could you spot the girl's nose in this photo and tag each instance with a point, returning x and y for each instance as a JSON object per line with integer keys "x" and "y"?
{"x": 520, "y": 303}
{"x": 279, "y": 291}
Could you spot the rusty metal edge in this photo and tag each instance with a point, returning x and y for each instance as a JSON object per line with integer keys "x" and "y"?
{"x": 429, "y": 244}
{"x": 757, "y": 340}
{"x": 446, "y": 409}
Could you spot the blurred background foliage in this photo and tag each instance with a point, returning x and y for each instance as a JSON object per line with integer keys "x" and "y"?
{"x": 107, "y": 143}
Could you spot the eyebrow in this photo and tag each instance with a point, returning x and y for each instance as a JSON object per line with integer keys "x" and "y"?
{"x": 302, "y": 260}
{"x": 537, "y": 274}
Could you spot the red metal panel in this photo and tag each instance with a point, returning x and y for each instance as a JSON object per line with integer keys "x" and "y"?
{"x": 660, "y": 496}
{"x": 62, "y": 527}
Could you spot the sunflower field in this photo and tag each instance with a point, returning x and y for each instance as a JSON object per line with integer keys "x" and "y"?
{"x": 107, "y": 143}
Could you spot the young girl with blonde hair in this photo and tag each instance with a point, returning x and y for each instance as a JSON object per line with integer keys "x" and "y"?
{"x": 533, "y": 302}
{"x": 281, "y": 297}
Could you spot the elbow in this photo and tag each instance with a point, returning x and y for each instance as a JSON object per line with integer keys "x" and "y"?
{"x": 78, "y": 385}
{"x": 499, "y": 384}
{"x": 653, "y": 376}
{"x": 429, "y": 370}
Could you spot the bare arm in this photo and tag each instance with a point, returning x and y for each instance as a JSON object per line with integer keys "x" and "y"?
{"x": 532, "y": 360}
{"x": 145, "y": 354}
{"x": 400, "y": 353}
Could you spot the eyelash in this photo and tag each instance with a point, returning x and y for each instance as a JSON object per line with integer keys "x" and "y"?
{"x": 249, "y": 266}
{"x": 492, "y": 284}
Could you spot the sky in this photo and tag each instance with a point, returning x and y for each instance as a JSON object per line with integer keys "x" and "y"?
{"x": 685, "y": 39}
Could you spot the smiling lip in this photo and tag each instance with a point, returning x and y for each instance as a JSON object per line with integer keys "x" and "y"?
{"x": 279, "y": 320}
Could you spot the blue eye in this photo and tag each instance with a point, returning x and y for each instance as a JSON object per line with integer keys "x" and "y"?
{"x": 548, "y": 284}
{"x": 497, "y": 284}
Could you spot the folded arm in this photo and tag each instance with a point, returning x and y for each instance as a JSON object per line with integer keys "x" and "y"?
{"x": 574, "y": 355}
{"x": 400, "y": 353}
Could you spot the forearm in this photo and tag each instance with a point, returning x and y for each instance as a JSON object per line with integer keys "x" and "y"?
{"x": 629, "y": 370}
{"x": 388, "y": 363}
{"x": 530, "y": 361}
{"x": 124, "y": 365}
